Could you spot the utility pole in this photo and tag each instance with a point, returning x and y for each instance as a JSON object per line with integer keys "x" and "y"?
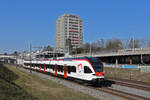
{"x": 133, "y": 44}
{"x": 30, "y": 57}
{"x": 53, "y": 53}
{"x": 90, "y": 50}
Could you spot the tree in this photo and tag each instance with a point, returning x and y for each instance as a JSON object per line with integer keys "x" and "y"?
{"x": 94, "y": 47}
{"x": 48, "y": 48}
{"x": 134, "y": 43}
{"x": 86, "y": 47}
{"x": 131, "y": 44}
{"x": 100, "y": 45}
{"x": 137, "y": 44}
{"x": 5, "y": 53}
{"x": 15, "y": 53}
{"x": 114, "y": 44}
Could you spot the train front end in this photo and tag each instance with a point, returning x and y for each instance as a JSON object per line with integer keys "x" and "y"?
{"x": 98, "y": 68}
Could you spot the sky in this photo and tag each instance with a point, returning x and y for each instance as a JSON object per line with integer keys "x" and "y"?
{"x": 34, "y": 21}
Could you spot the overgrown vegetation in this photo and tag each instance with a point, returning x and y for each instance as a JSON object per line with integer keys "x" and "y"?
{"x": 10, "y": 90}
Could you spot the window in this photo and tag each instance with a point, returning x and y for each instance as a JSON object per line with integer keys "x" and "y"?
{"x": 38, "y": 65}
{"x": 32, "y": 65}
{"x": 72, "y": 68}
{"x": 61, "y": 68}
{"x": 87, "y": 69}
{"x": 97, "y": 64}
{"x": 47, "y": 66}
{"x": 69, "y": 71}
{"x": 26, "y": 64}
{"x": 53, "y": 66}
{"x": 35, "y": 65}
{"x": 42, "y": 66}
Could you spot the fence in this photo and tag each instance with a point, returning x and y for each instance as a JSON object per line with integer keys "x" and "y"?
{"x": 145, "y": 68}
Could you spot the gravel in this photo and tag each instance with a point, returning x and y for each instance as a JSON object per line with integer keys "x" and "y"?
{"x": 84, "y": 89}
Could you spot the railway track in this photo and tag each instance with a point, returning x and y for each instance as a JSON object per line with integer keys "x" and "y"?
{"x": 132, "y": 84}
{"x": 122, "y": 94}
{"x": 118, "y": 93}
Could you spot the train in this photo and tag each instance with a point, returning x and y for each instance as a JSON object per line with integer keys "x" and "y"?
{"x": 87, "y": 69}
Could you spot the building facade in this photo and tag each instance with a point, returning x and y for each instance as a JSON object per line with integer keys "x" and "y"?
{"x": 69, "y": 32}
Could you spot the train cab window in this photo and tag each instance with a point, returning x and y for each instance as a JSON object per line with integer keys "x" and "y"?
{"x": 87, "y": 69}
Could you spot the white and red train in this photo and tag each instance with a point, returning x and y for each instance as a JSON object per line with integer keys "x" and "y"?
{"x": 88, "y": 69}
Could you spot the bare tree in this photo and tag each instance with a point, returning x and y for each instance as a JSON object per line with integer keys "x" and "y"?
{"x": 15, "y": 53}
{"x": 100, "y": 45}
{"x": 131, "y": 43}
{"x": 48, "y": 48}
{"x": 137, "y": 44}
{"x": 148, "y": 44}
{"x": 94, "y": 47}
{"x": 134, "y": 43}
{"x": 5, "y": 53}
{"x": 114, "y": 44}
{"x": 86, "y": 47}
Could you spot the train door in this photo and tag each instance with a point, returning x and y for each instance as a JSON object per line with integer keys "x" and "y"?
{"x": 26, "y": 66}
{"x": 56, "y": 68}
{"x": 40, "y": 67}
{"x": 65, "y": 71}
{"x": 44, "y": 67}
{"x": 33, "y": 66}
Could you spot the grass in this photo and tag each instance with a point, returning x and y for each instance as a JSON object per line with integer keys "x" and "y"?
{"x": 8, "y": 89}
{"x": 133, "y": 74}
{"x": 45, "y": 89}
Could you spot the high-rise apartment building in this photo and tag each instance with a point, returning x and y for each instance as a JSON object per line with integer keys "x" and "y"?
{"x": 69, "y": 31}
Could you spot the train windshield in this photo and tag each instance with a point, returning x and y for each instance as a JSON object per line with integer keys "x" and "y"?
{"x": 97, "y": 64}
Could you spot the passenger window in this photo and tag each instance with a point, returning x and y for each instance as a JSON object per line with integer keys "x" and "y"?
{"x": 72, "y": 68}
{"x": 46, "y": 66}
{"x": 53, "y": 66}
{"x": 87, "y": 69}
{"x": 42, "y": 66}
{"x": 59, "y": 68}
{"x": 69, "y": 69}
{"x": 62, "y": 68}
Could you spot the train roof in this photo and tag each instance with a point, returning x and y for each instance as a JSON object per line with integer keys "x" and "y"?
{"x": 87, "y": 58}
{"x": 91, "y": 59}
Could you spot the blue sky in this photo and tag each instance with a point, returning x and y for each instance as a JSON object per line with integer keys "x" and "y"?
{"x": 34, "y": 21}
